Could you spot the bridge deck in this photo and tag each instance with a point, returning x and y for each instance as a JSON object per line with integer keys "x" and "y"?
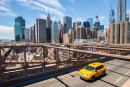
{"x": 118, "y": 72}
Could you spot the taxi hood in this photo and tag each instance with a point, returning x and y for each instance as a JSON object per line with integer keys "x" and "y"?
{"x": 84, "y": 71}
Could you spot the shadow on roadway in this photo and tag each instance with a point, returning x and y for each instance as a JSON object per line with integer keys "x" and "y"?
{"x": 55, "y": 76}
{"x": 62, "y": 82}
{"x": 99, "y": 78}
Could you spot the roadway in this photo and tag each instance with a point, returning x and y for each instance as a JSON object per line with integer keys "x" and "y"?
{"x": 118, "y": 72}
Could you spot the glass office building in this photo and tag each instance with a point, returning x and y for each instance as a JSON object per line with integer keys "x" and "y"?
{"x": 41, "y": 31}
{"x": 54, "y": 32}
{"x": 90, "y": 20}
{"x": 121, "y": 10}
{"x": 19, "y": 28}
{"x": 30, "y": 34}
{"x": 101, "y": 27}
{"x": 86, "y": 24}
{"x": 111, "y": 15}
{"x": 67, "y": 20}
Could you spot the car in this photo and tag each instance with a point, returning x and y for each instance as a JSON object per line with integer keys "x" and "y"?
{"x": 92, "y": 71}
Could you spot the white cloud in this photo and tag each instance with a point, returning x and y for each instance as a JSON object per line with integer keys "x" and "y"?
{"x": 38, "y": 6}
{"x": 73, "y": 1}
{"x": 4, "y": 9}
{"x": 53, "y": 3}
{"x": 47, "y": 9}
{"x": 5, "y": 2}
{"x": 7, "y": 14}
{"x": 6, "y": 29}
{"x": 6, "y": 32}
{"x": 11, "y": 14}
{"x": 102, "y": 18}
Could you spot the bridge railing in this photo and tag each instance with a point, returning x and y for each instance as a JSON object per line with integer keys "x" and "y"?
{"x": 32, "y": 61}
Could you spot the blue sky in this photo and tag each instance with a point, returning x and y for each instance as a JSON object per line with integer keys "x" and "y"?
{"x": 30, "y": 10}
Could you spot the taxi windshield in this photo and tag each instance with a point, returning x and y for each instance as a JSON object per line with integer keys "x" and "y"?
{"x": 90, "y": 68}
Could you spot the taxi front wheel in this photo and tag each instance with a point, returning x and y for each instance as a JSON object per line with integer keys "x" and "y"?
{"x": 93, "y": 79}
{"x": 103, "y": 74}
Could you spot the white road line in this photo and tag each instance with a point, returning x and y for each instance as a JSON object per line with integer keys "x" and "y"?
{"x": 108, "y": 68}
{"x": 119, "y": 79}
{"x": 127, "y": 73}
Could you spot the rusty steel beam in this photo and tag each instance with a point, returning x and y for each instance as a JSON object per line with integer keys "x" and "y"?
{"x": 82, "y": 51}
{"x": 127, "y": 48}
{"x": 93, "y": 53}
{"x": 111, "y": 46}
{"x": 119, "y": 49}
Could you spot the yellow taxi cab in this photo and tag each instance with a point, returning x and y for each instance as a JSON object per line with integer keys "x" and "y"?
{"x": 92, "y": 71}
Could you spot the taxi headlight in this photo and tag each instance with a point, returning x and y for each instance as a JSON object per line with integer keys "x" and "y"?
{"x": 86, "y": 75}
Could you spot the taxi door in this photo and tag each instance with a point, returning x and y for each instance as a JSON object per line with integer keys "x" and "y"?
{"x": 100, "y": 70}
{"x": 97, "y": 72}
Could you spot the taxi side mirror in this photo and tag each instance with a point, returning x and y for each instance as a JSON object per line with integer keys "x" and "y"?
{"x": 96, "y": 70}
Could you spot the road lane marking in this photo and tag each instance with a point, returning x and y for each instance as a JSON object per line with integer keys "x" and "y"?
{"x": 107, "y": 67}
{"x": 119, "y": 79}
{"x": 127, "y": 73}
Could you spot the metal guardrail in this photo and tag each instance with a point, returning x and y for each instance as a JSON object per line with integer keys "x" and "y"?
{"x": 26, "y": 62}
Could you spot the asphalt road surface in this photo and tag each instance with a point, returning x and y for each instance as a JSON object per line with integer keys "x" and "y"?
{"x": 118, "y": 72}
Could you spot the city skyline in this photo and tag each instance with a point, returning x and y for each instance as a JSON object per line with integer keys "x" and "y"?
{"x": 8, "y": 12}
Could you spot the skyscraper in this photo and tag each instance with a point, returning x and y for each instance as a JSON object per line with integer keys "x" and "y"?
{"x": 76, "y": 24}
{"x": 19, "y": 28}
{"x": 48, "y": 28}
{"x": 81, "y": 32}
{"x": 111, "y": 15}
{"x": 48, "y": 21}
{"x": 86, "y": 24}
{"x": 48, "y": 34}
{"x": 121, "y": 10}
{"x": 119, "y": 33}
{"x": 90, "y": 20}
{"x": 54, "y": 32}
{"x": 67, "y": 20}
{"x": 59, "y": 25}
{"x": 30, "y": 34}
{"x": 87, "y": 33}
{"x": 62, "y": 31}
{"x": 101, "y": 27}
{"x": 112, "y": 20}
{"x": 40, "y": 30}
{"x": 33, "y": 34}
{"x": 127, "y": 16}
{"x": 26, "y": 32}
{"x": 97, "y": 24}
{"x": 97, "y": 19}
